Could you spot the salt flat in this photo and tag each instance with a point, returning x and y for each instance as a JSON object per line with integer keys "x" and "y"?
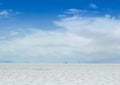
{"x": 59, "y": 74}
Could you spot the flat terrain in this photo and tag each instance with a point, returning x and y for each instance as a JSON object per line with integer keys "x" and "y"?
{"x": 59, "y": 74}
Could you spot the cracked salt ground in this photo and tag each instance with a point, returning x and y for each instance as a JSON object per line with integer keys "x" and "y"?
{"x": 61, "y": 75}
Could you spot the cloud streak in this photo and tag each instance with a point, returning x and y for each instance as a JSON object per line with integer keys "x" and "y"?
{"x": 94, "y": 6}
{"x": 8, "y": 12}
{"x": 4, "y": 12}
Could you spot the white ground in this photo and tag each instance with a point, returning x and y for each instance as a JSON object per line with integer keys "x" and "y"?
{"x": 59, "y": 74}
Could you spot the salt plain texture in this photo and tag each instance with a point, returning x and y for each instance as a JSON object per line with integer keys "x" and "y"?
{"x": 59, "y": 74}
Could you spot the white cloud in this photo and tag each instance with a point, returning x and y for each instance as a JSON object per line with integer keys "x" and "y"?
{"x": 75, "y": 11}
{"x": 14, "y": 33}
{"x": 43, "y": 43}
{"x": 89, "y": 38}
{"x": 101, "y": 30}
{"x": 4, "y": 12}
{"x": 61, "y": 15}
{"x": 8, "y": 12}
{"x": 94, "y": 6}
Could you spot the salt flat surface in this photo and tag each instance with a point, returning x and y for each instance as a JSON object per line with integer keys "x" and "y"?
{"x": 59, "y": 74}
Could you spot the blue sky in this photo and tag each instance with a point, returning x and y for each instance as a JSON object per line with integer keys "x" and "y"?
{"x": 45, "y": 11}
{"x": 74, "y": 31}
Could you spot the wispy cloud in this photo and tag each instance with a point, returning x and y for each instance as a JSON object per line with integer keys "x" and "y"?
{"x": 5, "y": 12}
{"x": 78, "y": 12}
{"x": 94, "y": 6}
{"x": 75, "y": 11}
{"x": 8, "y": 12}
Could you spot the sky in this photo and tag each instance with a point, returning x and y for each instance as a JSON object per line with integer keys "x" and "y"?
{"x": 58, "y": 31}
